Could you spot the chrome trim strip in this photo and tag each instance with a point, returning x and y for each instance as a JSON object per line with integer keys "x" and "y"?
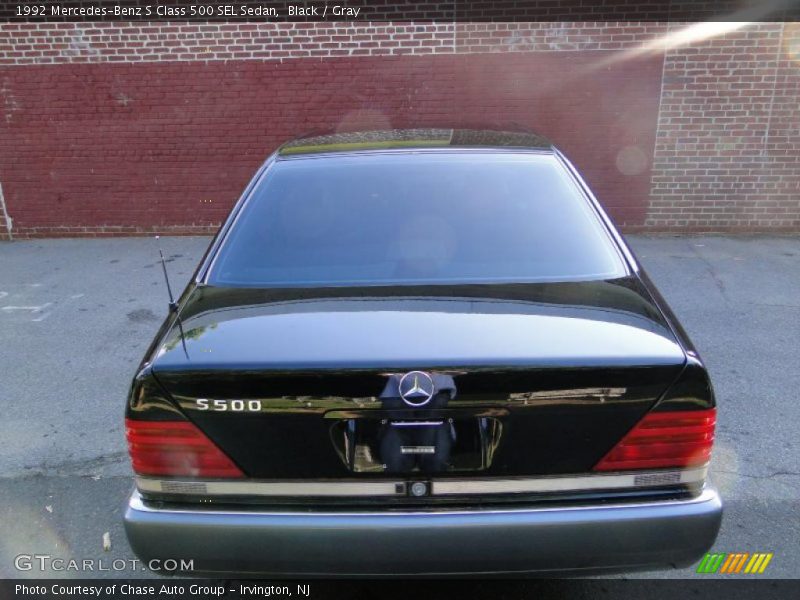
{"x": 277, "y": 488}
{"x": 439, "y": 487}
{"x": 137, "y": 503}
{"x": 611, "y": 481}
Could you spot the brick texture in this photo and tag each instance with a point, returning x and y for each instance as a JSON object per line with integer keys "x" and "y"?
{"x": 554, "y": 36}
{"x": 49, "y": 43}
{"x": 45, "y": 43}
{"x": 124, "y": 128}
{"x": 141, "y": 147}
{"x": 727, "y": 153}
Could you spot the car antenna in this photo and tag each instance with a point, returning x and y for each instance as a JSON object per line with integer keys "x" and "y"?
{"x": 173, "y": 306}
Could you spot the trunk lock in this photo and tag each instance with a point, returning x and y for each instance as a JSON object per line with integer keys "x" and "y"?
{"x": 419, "y": 489}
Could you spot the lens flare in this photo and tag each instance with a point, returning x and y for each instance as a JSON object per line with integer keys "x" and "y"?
{"x": 791, "y": 41}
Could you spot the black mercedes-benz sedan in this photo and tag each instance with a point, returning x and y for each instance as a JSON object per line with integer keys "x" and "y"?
{"x": 420, "y": 352}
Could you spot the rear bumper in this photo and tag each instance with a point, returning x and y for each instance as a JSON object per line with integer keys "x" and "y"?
{"x": 617, "y": 537}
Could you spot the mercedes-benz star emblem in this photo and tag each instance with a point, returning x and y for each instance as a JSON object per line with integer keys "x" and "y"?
{"x": 416, "y": 388}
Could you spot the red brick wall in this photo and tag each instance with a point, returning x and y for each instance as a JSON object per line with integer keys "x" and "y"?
{"x": 42, "y": 43}
{"x": 125, "y": 128}
{"x": 47, "y": 43}
{"x": 728, "y": 147}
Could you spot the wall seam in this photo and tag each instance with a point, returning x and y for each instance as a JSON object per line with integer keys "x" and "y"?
{"x": 658, "y": 128}
{"x": 774, "y": 90}
{"x": 6, "y": 218}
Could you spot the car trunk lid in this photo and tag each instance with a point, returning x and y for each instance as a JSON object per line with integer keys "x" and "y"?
{"x": 528, "y": 380}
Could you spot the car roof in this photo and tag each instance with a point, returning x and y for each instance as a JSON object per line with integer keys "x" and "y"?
{"x": 409, "y": 139}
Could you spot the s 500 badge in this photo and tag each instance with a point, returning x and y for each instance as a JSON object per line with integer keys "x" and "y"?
{"x": 228, "y": 405}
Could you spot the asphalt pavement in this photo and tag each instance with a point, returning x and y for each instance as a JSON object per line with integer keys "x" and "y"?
{"x": 76, "y": 316}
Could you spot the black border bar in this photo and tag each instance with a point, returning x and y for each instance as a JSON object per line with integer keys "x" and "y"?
{"x": 704, "y": 587}
{"x": 278, "y": 11}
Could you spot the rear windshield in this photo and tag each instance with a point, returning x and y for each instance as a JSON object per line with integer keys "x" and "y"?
{"x": 424, "y": 218}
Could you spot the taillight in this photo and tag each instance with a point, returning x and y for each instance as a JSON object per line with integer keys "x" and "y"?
{"x": 663, "y": 440}
{"x": 175, "y": 448}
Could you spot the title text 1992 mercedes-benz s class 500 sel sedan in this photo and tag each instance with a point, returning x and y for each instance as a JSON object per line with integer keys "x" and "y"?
{"x": 420, "y": 352}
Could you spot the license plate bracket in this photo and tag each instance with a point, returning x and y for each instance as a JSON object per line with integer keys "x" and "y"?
{"x": 417, "y": 446}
